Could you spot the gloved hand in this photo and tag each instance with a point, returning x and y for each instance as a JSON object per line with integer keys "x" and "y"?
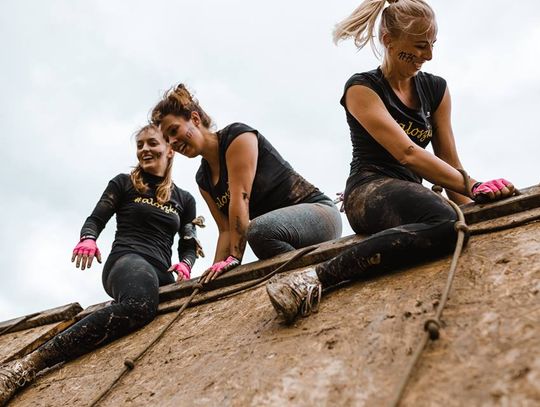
{"x": 219, "y": 268}
{"x": 182, "y": 269}
{"x": 84, "y": 252}
{"x": 492, "y": 190}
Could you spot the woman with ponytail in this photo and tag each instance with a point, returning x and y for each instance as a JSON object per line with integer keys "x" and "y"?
{"x": 254, "y": 195}
{"x": 393, "y": 113}
{"x": 150, "y": 211}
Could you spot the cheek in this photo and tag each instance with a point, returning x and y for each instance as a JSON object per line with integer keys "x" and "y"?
{"x": 191, "y": 129}
{"x": 406, "y": 56}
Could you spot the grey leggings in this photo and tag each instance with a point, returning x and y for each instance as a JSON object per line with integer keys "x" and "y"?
{"x": 293, "y": 227}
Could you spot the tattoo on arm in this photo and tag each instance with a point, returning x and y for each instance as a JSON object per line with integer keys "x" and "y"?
{"x": 241, "y": 245}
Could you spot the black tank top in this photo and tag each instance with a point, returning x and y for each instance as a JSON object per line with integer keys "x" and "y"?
{"x": 368, "y": 155}
{"x": 276, "y": 184}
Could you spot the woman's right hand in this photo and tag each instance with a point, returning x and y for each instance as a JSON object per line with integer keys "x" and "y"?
{"x": 492, "y": 190}
{"x": 84, "y": 253}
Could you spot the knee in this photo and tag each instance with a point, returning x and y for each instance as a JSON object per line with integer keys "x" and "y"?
{"x": 258, "y": 232}
{"x": 140, "y": 311}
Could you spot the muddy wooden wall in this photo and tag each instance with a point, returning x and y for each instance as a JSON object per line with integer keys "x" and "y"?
{"x": 235, "y": 352}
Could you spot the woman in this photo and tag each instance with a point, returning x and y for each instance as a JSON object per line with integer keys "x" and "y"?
{"x": 150, "y": 210}
{"x": 253, "y": 194}
{"x": 393, "y": 113}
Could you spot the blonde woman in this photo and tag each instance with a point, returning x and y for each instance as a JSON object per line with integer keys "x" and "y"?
{"x": 393, "y": 113}
{"x": 150, "y": 211}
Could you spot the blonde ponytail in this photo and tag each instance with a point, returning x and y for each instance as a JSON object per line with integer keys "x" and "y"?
{"x": 399, "y": 17}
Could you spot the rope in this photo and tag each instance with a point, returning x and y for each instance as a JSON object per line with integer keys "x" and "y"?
{"x": 249, "y": 285}
{"x": 129, "y": 363}
{"x": 432, "y": 326}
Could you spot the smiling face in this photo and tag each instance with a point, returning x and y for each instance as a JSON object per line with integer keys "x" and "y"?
{"x": 184, "y": 136}
{"x": 153, "y": 152}
{"x": 408, "y": 52}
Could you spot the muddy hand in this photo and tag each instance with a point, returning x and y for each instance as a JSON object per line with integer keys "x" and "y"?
{"x": 182, "y": 269}
{"x": 219, "y": 268}
{"x": 84, "y": 253}
{"x": 492, "y": 190}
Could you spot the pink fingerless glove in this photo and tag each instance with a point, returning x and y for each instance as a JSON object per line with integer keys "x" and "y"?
{"x": 225, "y": 265}
{"x": 88, "y": 247}
{"x": 481, "y": 190}
{"x": 182, "y": 269}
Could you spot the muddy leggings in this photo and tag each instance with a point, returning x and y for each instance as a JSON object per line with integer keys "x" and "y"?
{"x": 133, "y": 283}
{"x": 407, "y": 222}
{"x": 293, "y": 227}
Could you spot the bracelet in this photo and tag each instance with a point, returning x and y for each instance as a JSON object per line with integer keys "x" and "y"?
{"x": 187, "y": 262}
{"x": 88, "y": 237}
{"x": 476, "y": 185}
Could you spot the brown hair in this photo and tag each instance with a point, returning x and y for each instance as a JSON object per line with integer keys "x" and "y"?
{"x": 163, "y": 191}
{"x": 399, "y": 17}
{"x": 178, "y": 101}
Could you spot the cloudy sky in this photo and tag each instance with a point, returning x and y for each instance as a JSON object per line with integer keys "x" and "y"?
{"x": 78, "y": 77}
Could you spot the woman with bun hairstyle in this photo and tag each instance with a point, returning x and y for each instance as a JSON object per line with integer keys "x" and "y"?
{"x": 254, "y": 195}
{"x": 393, "y": 113}
{"x": 150, "y": 210}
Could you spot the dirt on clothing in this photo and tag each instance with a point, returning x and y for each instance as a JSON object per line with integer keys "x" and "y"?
{"x": 235, "y": 352}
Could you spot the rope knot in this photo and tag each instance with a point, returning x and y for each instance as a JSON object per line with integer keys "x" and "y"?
{"x": 129, "y": 363}
{"x": 461, "y": 226}
{"x": 432, "y": 326}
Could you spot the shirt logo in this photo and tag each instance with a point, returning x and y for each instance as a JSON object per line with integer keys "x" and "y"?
{"x": 167, "y": 208}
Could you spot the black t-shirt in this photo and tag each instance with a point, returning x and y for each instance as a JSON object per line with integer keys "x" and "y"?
{"x": 276, "y": 184}
{"x": 368, "y": 154}
{"x": 144, "y": 226}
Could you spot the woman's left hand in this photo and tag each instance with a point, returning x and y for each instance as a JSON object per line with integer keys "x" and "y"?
{"x": 219, "y": 268}
{"x": 182, "y": 269}
{"x": 492, "y": 190}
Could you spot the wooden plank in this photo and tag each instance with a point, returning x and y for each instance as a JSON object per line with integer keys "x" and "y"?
{"x": 42, "y": 318}
{"x": 37, "y": 342}
{"x": 529, "y": 198}
{"x": 261, "y": 268}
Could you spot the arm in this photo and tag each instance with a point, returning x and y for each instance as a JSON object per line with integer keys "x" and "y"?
{"x": 187, "y": 241}
{"x": 241, "y": 158}
{"x": 86, "y": 249}
{"x": 444, "y": 145}
{"x": 222, "y": 247}
{"x": 366, "y": 106}
{"x": 187, "y": 233}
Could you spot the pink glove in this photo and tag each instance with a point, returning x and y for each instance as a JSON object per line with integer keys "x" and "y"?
{"x": 219, "y": 268}
{"x": 84, "y": 252}
{"x": 491, "y": 190}
{"x": 182, "y": 269}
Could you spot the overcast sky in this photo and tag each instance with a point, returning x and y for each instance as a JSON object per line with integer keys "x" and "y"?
{"x": 79, "y": 77}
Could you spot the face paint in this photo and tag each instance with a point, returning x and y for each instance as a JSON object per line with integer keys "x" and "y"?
{"x": 190, "y": 130}
{"x": 406, "y": 56}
